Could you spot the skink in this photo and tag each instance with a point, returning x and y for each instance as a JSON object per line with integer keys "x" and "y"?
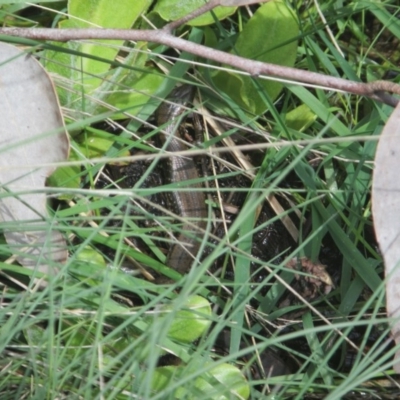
{"x": 188, "y": 205}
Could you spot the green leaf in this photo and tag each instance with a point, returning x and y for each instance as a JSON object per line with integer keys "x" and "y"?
{"x": 171, "y": 10}
{"x": 133, "y": 100}
{"x": 269, "y": 36}
{"x": 66, "y": 177}
{"x": 222, "y": 382}
{"x": 91, "y": 265}
{"x": 106, "y": 13}
{"x": 90, "y": 256}
{"x": 95, "y": 143}
{"x": 230, "y": 377}
{"x": 192, "y": 321}
{"x": 300, "y": 118}
{"x": 86, "y": 74}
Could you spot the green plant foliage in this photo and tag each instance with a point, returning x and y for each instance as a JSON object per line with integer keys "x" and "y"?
{"x": 222, "y": 382}
{"x": 300, "y": 118}
{"x": 192, "y": 322}
{"x": 95, "y": 143}
{"x": 171, "y": 10}
{"x": 270, "y": 36}
{"x": 66, "y": 177}
{"x": 102, "y": 328}
{"x": 88, "y": 70}
{"x": 137, "y": 87}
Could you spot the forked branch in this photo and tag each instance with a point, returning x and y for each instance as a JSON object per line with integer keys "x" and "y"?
{"x": 378, "y": 90}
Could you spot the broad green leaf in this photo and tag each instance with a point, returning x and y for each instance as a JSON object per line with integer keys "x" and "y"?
{"x": 95, "y": 143}
{"x": 106, "y": 13}
{"x": 91, "y": 266}
{"x": 269, "y": 36}
{"x": 85, "y": 75}
{"x": 300, "y": 118}
{"x": 23, "y": 2}
{"x": 230, "y": 377}
{"x": 222, "y": 382}
{"x": 171, "y": 10}
{"x": 226, "y": 3}
{"x": 190, "y": 322}
{"x": 66, "y": 177}
{"x": 90, "y": 256}
{"x": 133, "y": 100}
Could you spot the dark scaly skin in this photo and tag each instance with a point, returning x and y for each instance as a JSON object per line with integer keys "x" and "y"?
{"x": 189, "y": 206}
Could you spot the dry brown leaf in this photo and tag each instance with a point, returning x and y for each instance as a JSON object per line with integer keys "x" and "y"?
{"x": 33, "y": 137}
{"x": 386, "y": 212}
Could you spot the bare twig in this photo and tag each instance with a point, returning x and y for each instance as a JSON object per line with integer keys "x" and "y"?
{"x": 199, "y": 11}
{"x": 208, "y": 7}
{"x": 374, "y": 90}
